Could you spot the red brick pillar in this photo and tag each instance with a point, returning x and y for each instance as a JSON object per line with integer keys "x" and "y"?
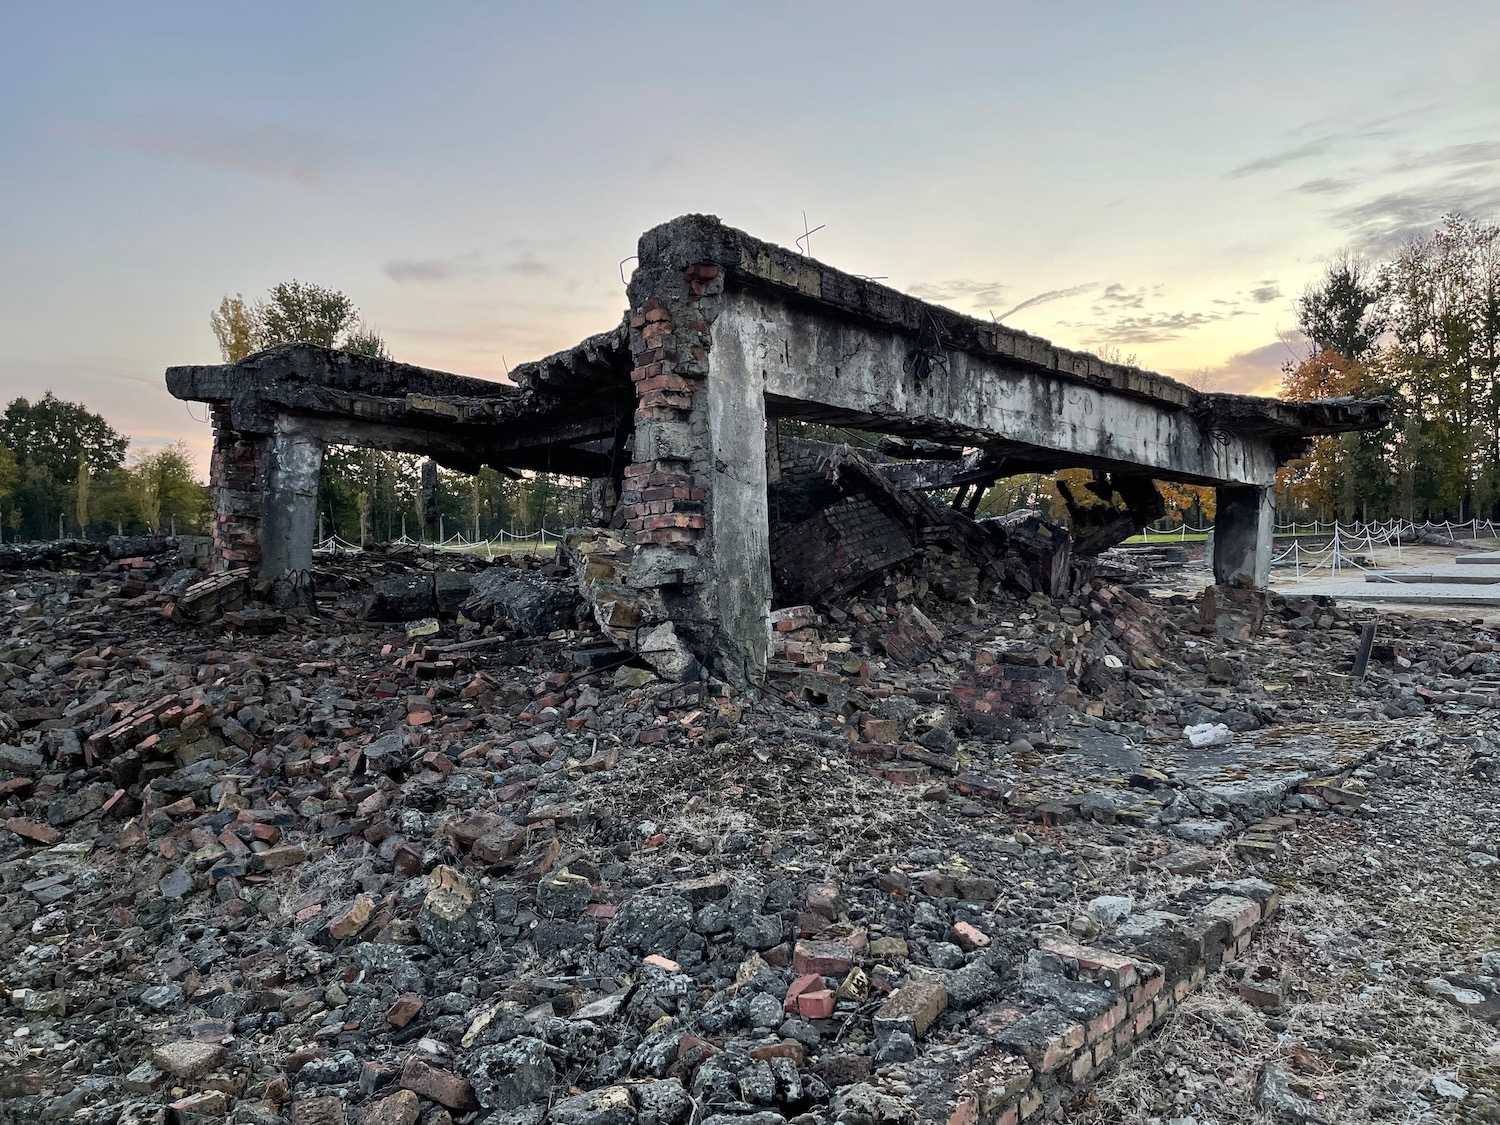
{"x": 237, "y": 479}
{"x": 663, "y": 499}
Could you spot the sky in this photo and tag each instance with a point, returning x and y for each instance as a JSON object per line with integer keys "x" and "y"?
{"x": 1158, "y": 178}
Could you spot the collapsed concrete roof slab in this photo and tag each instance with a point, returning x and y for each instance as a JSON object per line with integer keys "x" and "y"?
{"x": 546, "y": 420}
{"x": 675, "y": 410}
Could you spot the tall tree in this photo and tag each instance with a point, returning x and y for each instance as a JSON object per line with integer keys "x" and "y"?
{"x": 52, "y": 440}
{"x": 237, "y": 327}
{"x": 60, "y": 436}
{"x": 1340, "y": 311}
{"x": 293, "y": 312}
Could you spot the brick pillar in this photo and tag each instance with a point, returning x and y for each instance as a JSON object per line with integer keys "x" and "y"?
{"x": 237, "y": 477}
{"x": 694, "y": 493}
{"x": 665, "y": 485}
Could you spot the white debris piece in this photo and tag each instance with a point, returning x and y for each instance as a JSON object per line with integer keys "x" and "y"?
{"x": 1208, "y": 734}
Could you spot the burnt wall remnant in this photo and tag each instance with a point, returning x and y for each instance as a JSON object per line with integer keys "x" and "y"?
{"x": 677, "y": 416}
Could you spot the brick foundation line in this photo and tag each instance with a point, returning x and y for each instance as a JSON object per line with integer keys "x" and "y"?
{"x": 1047, "y": 1056}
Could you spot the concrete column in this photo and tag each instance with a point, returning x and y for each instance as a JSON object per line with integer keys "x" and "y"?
{"x": 1244, "y": 525}
{"x": 739, "y": 509}
{"x": 290, "y": 523}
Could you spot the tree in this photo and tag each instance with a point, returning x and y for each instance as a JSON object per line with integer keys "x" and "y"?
{"x": 163, "y": 492}
{"x": 1340, "y": 312}
{"x": 10, "y": 479}
{"x": 237, "y": 327}
{"x": 51, "y": 441}
{"x": 293, "y": 312}
{"x": 81, "y": 500}
{"x": 1188, "y": 502}
{"x": 60, "y": 436}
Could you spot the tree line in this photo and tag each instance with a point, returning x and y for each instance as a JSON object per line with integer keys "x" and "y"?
{"x": 1421, "y": 328}
{"x": 64, "y": 471}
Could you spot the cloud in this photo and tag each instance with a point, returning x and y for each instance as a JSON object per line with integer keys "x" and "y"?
{"x": 1255, "y": 372}
{"x": 1452, "y": 156}
{"x": 528, "y": 266}
{"x": 1318, "y": 146}
{"x": 1265, "y": 293}
{"x": 1325, "y": 186}
{"x": 276, "y": 152}
{"x": 1381, "y": 224}
{"x": 979, "y": 294}
{"x": 1119, "y": 297}
{"x": 1049, "y": 295}
{"x": 1155, "y": 328}
{"x": 404, "y": 271}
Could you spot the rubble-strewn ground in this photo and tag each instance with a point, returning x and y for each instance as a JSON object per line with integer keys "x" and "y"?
{"x": 318, "y": 870}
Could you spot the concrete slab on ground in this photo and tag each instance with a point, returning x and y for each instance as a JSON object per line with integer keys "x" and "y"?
{"x": 1469, "y": 574}
{"x": 1406, "y": 593}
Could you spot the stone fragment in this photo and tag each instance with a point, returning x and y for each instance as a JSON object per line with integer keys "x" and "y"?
{"x": 563, "y": 894}
{"x": 913, "y": 1006}
{"x": 318, "y": 1111}
{"x": 450, "y": 917}
{"x": 661, "y": 1103}
{"x": 31, "y": 830}
{"x": 353, "y": 918}
{"x": 400, "y": 1108}
{"x": 188, "y": 1059}
{"x": 611, "y": 1105}
{"x": 406, "y": 1008}
{"x": 512, "y": 1074}
{"x": 650, "y": 923}
{"x": 1275, "y": 1096}
{"x": 825, "y": 958}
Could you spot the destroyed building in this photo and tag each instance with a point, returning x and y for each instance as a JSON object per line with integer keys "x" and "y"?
{"x": 676, "y": 416}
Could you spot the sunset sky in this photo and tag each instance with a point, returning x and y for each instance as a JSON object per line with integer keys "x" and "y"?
{"x": 1159, "y": 177}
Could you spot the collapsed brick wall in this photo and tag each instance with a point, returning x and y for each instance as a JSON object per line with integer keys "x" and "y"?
{"x": 237, "y": 471}
{"x": 838, "y": 522}
{"x": 836, "y": 550}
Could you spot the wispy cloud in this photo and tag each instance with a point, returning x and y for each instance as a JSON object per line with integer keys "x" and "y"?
{"x": 277, "y": 152}
{"x": 1117, "y": 296}
{"x": 1155, "y": 328}
{"x": 1048, "y": 296}
{"x": 1307, "y": 150}
{"x": 1325, "y": 186}
{"x": 1452, "y": 156}
{"x": 1380, "y": 224}
{"x": 406, "y": 271}
{"x": 528, "y": 266}
{"x": 976, "y": 294}
{"x": 1265, "y": 293}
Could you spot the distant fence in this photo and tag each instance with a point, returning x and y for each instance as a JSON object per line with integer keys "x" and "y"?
{"x": 1387, "y": 530}
{"x": 1349, "y": 545}
{"x": 503, "y": 542}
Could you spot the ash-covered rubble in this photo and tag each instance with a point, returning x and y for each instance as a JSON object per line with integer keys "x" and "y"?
{"x": 481, "y": 866}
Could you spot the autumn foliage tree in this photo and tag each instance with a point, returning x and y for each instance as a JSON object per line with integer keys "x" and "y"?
{"x": 1423, "y": 330}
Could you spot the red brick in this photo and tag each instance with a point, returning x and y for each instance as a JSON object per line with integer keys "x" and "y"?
{"x": 969, "y": 937}
{"x": 826, "y": 958}
{"x": 436, "y": 1085}
{"x": 404, "y": 1010}
{"x": 816, "y": 1004}
{"x": 31, "y": 830}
